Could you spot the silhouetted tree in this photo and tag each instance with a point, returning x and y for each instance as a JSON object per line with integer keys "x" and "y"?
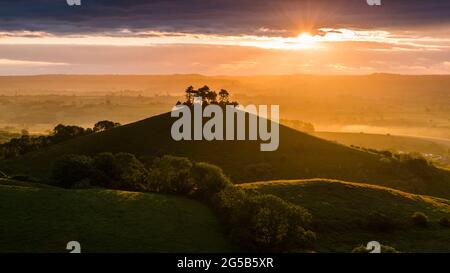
{"x": 190, "y": 93}
{"x": 105, "y": 125}
{"x": 224, "y": 96}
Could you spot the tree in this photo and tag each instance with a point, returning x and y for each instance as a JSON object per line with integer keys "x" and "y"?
{"x": 132, "y": 174}
{"x": 105, "y": 125}
{"x": 70, "y": 169}
{"x": 190, "y": 93}
{"x": 209, "y": 179}
{"x": 170, "y": 174}
{"x": 62, "y": 132}
{"x": 223, "y": 94}
{"x": 203, "y": 92}
{"x": 212, "y": 97}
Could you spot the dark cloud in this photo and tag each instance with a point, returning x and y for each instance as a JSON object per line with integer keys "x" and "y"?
{"x": 218, "y": 16}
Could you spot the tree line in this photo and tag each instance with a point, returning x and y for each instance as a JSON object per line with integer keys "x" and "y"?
{"x": 207, "y": 96}
{"x": 26, "y": 143}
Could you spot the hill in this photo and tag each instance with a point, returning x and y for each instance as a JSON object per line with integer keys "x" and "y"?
{"x": 44, "y": 219}
{"x": 434, "y": 148}
{"x": 299, "y": 156}
{"x": 341, "y": 211}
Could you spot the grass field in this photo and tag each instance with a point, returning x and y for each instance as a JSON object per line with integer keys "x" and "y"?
{"x": 38, "y": 218}
{"x": 300, "y": 156}
{"x": 341, "y": 209}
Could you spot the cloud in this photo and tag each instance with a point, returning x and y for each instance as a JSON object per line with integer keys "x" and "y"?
{"x": 250, "y": 17}
{"x": 26, "y": 63}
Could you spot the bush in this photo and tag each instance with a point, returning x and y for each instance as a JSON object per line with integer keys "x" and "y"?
{"x": 420, "y": 219}
{"x": 70, "y": 169}
{"x": 170, "y": 174}
{"x": 132, "y": 174}
{"x": 106, "y": 170}
{"x": 264, "y": 223}
{"x": 277, "y": 225}
{"x": 379, "y": 222}
{"x": 445, "y": 222}
{"x": 208, "y": 179}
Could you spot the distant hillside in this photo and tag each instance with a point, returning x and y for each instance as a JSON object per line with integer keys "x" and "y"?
{"x": 299, "y": 156}
{"x": 433, "y": 148}
{"x": 341, "y": 210}
{"x": 45, "y": 219}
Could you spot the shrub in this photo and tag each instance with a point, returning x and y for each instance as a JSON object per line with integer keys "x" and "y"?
{"x": 106, "y": 170}
{"x": 262, "y": 222}
{"x": 208, "y": 179}
{"x": 445, "y": 222}
{"x": 420, "y": 219}
{"x": 70, "y": 169}
{"x": 228, "y": 204}
{"x": 170, "y": 174}
{"x": 132, "y": 174}
{"x": 379, "y": 222}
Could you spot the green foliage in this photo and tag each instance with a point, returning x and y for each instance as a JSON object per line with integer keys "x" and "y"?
{"x": 71, "y": 168}
{"x": 420, "y": 219}
{"x": 131, "y": 172}
{"x": 170, "y": 174}
{"x": 119, "y": 171}
{"x": 208, "y": 179}
{"x": 264, "y": 223}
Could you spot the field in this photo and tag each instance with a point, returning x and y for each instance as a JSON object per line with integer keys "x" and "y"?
{"x": 341, "y": 209}
{"x": 38, "y": 218}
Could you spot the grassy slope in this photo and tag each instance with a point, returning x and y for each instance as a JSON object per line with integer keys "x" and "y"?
{"x": 44, "y": 219}
{"x": 299, "y": 156}
{"x": 340, "y": 210}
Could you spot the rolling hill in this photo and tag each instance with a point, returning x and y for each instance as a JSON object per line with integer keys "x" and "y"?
{"x": 299, "y": 156}
{"x": 434, "y": 148}
{"x": 44, "y": 219}
{"x": 341, "y": 210}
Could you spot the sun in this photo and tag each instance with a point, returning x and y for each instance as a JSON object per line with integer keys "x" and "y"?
{"x": 305, "y": 38}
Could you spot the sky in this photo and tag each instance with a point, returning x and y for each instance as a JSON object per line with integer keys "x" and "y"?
{"x": 224, "y": 37}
